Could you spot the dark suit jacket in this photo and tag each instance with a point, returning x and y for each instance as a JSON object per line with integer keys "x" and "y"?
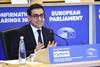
{"x": 29, "y": 39}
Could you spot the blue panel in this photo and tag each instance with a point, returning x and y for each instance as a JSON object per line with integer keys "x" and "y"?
{"x": 97, "y": 9}
{"x": 71, "y": 23}
{"x": 2, "y": 53}
{"x": 74, "y": 53}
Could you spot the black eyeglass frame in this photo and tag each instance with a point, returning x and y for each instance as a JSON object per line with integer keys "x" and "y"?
{"x": 36, "y": 16}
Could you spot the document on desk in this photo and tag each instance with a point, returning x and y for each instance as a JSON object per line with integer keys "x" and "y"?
{"x": 17, "y": 62}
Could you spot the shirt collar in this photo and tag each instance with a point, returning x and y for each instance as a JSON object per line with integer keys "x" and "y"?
{"x": 34, "y": 28}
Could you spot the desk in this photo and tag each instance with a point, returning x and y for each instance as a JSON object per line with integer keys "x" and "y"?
{"x": 36, "y": 64}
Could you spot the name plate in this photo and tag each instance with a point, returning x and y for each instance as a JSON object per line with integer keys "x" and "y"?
{"x": 78, "y": 53}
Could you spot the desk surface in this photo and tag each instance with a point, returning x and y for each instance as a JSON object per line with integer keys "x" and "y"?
{"x": 35, "y": 64}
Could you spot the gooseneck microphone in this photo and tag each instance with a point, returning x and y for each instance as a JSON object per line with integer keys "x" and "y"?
{"x": 66, "y": 42}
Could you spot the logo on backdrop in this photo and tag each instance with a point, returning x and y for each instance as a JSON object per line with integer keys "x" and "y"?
{"x": 92, "y": 52}
{"x": 67, "y": 33}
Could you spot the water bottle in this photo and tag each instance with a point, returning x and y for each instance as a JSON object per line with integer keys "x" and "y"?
{"x": 22, "y": 51}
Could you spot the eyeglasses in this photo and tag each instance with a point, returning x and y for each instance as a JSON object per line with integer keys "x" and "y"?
{"x": 36, "y": 16}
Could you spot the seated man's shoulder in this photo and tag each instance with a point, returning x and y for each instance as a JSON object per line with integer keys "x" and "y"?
{"x": 24, "y": 28}
{"x": 47, "y": 29}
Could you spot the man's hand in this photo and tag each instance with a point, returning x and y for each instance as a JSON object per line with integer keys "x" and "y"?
{"x": 39, "y": 47}
{"x": 51, "y": 44}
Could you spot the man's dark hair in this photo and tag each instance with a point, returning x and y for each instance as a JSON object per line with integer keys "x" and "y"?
{"x": 34, "y": 6}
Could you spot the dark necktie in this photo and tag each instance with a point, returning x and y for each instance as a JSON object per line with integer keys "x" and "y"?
{"x": 39, "y": 37}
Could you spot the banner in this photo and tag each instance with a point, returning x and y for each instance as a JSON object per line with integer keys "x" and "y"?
{"x": 77, "y": 53}
{"x": 69, "y": 23}
{"x": 12, "y": 17}
{"x": 97, "y": 15}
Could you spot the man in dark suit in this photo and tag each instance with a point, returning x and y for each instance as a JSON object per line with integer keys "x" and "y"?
{"x": 36, "y": 21}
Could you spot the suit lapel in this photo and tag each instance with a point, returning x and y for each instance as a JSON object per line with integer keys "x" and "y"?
{"x": 45, "y": 37}
{"x": 31, "y": 35}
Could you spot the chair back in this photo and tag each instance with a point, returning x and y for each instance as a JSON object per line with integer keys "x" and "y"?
{"x": 6, "y": 37}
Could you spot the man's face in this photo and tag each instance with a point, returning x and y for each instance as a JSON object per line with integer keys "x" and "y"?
{"x": 37, "y": 18}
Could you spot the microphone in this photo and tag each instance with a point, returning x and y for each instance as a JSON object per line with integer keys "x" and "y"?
{"x": 66, "y": 42}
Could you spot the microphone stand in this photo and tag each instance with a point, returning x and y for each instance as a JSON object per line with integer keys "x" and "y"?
{"x": 62, "y": 38}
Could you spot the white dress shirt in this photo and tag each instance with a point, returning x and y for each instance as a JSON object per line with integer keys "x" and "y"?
{"x": 34, "y": 29}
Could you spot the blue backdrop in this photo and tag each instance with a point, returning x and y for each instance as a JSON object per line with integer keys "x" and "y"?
{"x": 69, "y": 23}
{"x": 97, "y": 9}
